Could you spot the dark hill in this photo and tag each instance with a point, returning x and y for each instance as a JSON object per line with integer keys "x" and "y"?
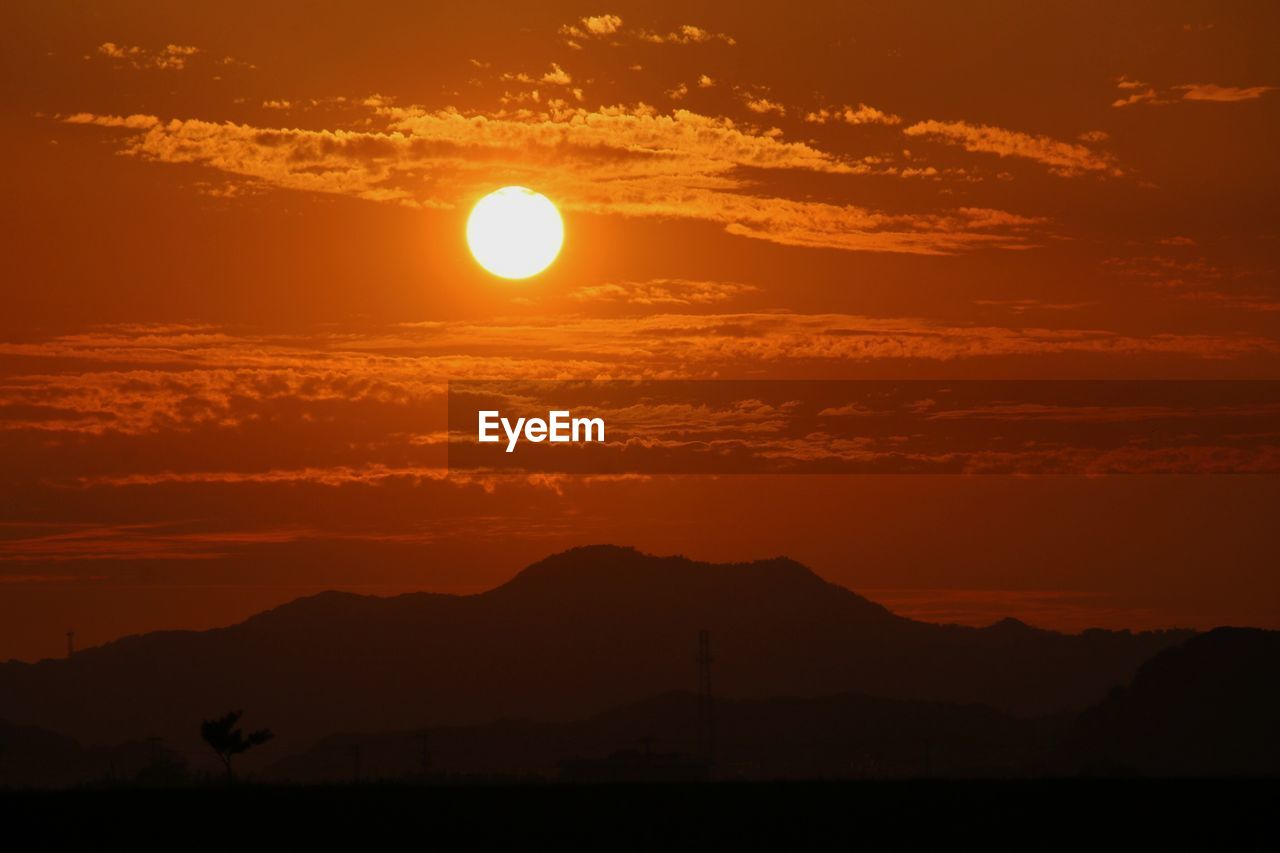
{"x": 573, "y": 634}
{"x": 31, "y": 757}
{"x": 1207, "y": 707}
{"x": 843, "y": 736}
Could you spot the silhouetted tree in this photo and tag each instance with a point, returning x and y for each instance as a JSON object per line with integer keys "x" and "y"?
{"x": 228, "y": 741}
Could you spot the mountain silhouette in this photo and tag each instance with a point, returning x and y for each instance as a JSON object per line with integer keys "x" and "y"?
{"x": 32, "y": 757}
{"x": 841, "y": 736}
{"x": 574, "y": 634}
{"x": 1205, "y": 708}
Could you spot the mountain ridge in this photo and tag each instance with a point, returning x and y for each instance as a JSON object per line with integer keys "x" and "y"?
{"x": 572, "y": 634}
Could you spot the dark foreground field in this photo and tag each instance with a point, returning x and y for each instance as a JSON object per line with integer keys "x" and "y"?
{"x": 1183, "y": 814}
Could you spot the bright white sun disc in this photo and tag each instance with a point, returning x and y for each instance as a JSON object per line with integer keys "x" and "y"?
{"x": 515, "y": 232}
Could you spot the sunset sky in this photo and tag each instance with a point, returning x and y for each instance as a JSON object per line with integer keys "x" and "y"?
{"x": 237, "y": 284}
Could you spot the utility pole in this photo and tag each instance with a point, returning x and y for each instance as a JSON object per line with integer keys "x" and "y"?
{"x": 706, "y": 710}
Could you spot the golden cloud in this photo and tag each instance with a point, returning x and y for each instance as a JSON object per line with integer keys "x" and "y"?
{"x": 862, "y": 114}
{"x": 1223, "y": 94}
{"x": 663, "y": 291}
{"x": 137, "y": 380}
{"x": 171, "y": 57}
{"x": 605, "y": 26}
{"x": 1062, "y": 158}
{"x": 613, "y": 160}
{"x": 1138, "y": 92}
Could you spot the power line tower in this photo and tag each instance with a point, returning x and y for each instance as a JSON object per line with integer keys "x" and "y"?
{"x": 706, "y": 711}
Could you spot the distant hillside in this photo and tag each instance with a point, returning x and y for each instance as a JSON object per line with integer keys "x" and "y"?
{"x": 32, "y": 757}
{"x": 574, "y": 634}
{"x": 844, "y": 736}
{"x": 1208, "y": 707}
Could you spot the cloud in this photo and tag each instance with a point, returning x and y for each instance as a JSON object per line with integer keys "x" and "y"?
{"x": 557, "y": 76}
{"x": 138, "y": 542}
{"x": 1222, "y": 94}
{"x": 171, "y": 57}
{"x": 663, "y": 291}
{"x": 1164, "y": 270}
{"x": 1251, "y": 302}
{"x": 376, "y": 397}
{"x": 138, "y": 380}
{"x": 593, "y": 26}
{"x": 602, "y": 25}
{"x": 202, "y": 540}
{"x": 1022, "y": 306}
{"x": 136, "y": 122}
{"x": 1145, "y": 96}
{"x": 819, "y": 225}
{"x": 610, "y": 26}
{"x": 209, "y": 407}
{"x": 1062, "y": 158}
{"x": 686, "y": 34}
{"x": 1138, "y": 92}
{"x": 1190, "y": 276}
{"x": 705, "y": 82}
{"x": 629, "y": 161}
{"x": 764, "y": 105}
{"x": 804, "y": 428}
{"x": 1135, "y": 92}
{"x": 339, "y": 475}
{"x": 863, "y": 114}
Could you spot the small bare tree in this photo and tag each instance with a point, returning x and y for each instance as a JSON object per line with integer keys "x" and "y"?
{"x": 228, "y": 741}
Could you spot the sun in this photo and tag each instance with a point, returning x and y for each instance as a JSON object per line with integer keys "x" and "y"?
{"x": 515, "y": 232}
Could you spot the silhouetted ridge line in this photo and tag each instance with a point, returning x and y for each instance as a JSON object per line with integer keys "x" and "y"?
{"x": 1206, "y": 707}
{"x": 596, "y": 564}
{"x": 574, "y": 634}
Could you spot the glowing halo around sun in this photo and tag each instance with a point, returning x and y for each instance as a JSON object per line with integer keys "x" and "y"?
{"x": 515, "y": 232}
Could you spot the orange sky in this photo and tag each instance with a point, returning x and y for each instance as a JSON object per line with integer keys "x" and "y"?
{"x": 236, "y": 283}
